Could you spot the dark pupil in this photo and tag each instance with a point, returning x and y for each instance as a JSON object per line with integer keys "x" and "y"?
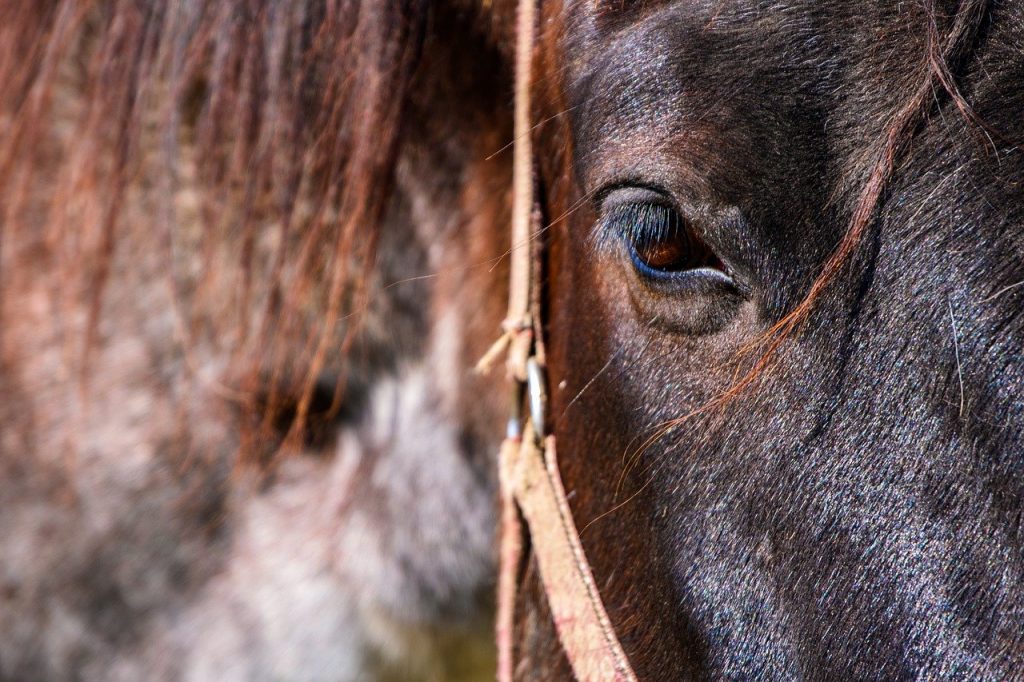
{"x": 662, "y": 240}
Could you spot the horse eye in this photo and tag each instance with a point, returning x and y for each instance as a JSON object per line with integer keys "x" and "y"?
{"x": 661, "y": 242}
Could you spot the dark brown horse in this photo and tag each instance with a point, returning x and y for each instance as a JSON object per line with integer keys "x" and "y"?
{"x": 250, "y": 252}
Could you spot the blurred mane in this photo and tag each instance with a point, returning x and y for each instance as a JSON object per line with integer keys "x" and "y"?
{"x": 250, "y": 123}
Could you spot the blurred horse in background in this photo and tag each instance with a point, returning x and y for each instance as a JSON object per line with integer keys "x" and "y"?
{"x": 248, "y": 253}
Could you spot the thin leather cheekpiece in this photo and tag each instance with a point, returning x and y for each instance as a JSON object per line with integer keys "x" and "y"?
{"x": 531, "y": 486}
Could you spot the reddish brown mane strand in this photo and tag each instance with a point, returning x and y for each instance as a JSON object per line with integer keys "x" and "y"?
{"x": 942, "y": 55}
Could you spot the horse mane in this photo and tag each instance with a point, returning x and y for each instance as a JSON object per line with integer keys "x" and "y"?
{"x": 295, "y": 108}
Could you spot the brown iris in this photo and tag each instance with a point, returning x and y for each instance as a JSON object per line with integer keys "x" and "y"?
{"x": 661, "y": 241}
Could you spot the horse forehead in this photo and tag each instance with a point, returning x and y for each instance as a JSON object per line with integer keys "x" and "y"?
{"x": 667, "y": 78}
{"x": 603, "y": 18}
{"x": 614, "y": 47}
{"x": 769, "y": 30}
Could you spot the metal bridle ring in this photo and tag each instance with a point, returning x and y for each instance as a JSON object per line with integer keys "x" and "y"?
{"x": 537, "y": 395}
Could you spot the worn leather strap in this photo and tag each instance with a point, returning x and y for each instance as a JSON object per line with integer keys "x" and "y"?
{"x": 531, "y": 486}
{"x": 583, "y": 626}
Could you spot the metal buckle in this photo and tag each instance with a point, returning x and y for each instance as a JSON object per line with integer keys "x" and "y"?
{"x": 537, "y": 397}
{"x": 536, "y": 392}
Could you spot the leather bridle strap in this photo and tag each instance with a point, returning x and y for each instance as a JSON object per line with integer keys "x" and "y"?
{"x": 531, "y": 486}
{"x": 530, "y": 468}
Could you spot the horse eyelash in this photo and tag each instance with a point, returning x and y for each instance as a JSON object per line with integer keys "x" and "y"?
{"x": 637, "y": 222}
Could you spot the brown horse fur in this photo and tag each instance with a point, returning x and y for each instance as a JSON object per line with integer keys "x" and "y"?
{"x": 242, "y": 282}
{"x": 850, "y": 509}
